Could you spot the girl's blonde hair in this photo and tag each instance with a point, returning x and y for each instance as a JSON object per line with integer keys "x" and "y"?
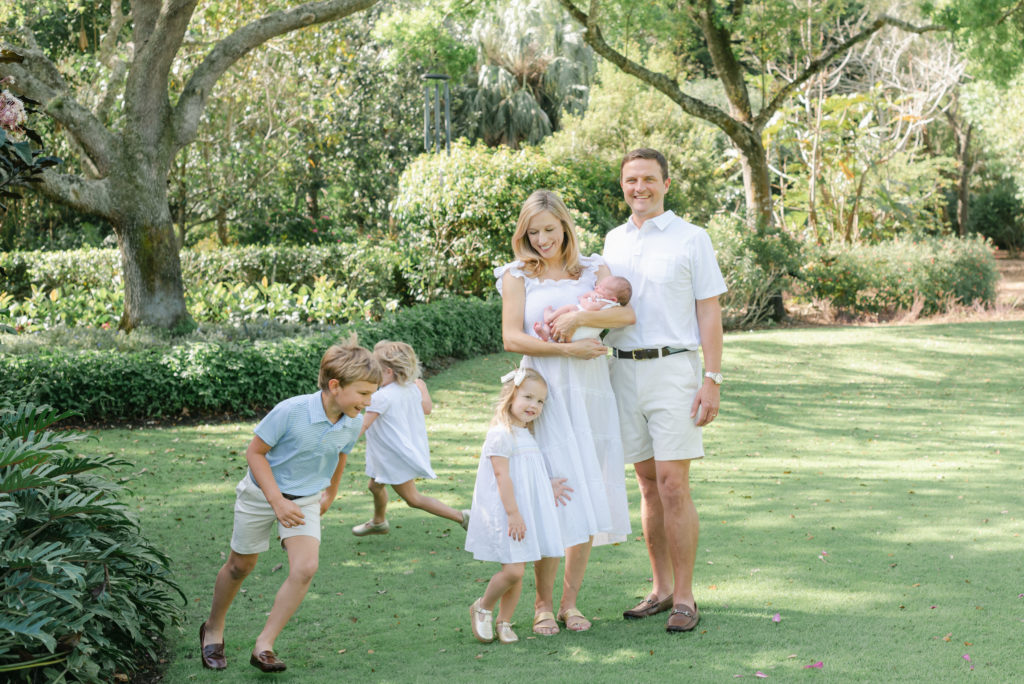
{"x": 347, "y": 362}
{"x": 400, "y": 358}
{"x": 503, "y": 409}
{"x": 540, "y": 201}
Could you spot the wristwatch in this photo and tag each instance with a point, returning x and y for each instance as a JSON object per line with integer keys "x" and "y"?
{"x": 715, "y": 377}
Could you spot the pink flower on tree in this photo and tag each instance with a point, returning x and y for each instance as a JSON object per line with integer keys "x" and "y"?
{"x": 12, "y": 113}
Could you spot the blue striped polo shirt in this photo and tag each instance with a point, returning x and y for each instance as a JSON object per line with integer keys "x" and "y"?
{"x": 304, "y": 445}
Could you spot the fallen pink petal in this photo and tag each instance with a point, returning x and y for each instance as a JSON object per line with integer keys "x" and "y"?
{"x": 760, "y": 675}
{"x": 967, "y": 657}
{"x": 815, "y": 666}
{"x": 776, "y": 618}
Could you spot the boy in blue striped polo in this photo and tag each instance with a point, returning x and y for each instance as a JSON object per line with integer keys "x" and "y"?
{"x": 295, "y": 463}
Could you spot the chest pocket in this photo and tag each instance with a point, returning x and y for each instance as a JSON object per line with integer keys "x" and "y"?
{"x": 659, "y": 268}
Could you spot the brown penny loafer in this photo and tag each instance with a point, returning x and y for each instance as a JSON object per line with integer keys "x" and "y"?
{"x": 648, "y": 607}
{"x": 683, "y": 618}
{"x": 267, "y": 661}
{"x": 212, "y": 654}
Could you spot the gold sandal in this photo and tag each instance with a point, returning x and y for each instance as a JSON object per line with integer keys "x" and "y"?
{"x": 579, "y": 620}
{"x": 505, "y": 633}
{"x": 480, "y": 620}
{"x": 544, "y": 617}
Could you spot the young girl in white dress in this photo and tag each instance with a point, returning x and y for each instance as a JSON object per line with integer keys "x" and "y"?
{"x": 396, "y": 439}
{"x": 513, "y": 519}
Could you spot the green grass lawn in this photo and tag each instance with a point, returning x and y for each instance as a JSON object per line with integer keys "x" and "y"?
{"x": 865, "y": 484}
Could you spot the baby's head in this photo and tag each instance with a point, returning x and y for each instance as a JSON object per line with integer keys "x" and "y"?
{"x": 399, "y": 358}
{"x": 614, "y": 288}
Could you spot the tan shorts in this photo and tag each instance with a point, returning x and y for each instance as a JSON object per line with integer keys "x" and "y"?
{"x": 255, "y": 519}
{"x": 654, "y": 397}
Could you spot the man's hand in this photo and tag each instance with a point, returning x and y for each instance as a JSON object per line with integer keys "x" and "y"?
{"x": 705, "y": 404}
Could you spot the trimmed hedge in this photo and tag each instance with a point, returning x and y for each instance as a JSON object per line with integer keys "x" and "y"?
{"x": 892, "y": 275}
{"x": 200, "y": 376}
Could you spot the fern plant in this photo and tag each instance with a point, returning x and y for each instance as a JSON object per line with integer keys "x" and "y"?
{"x": 83, "y": 596}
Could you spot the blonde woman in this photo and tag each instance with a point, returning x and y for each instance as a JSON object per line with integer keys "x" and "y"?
{"x": 578, "y": 432}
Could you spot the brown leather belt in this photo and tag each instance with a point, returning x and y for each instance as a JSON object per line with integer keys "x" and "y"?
{"x": 643, "y": 354}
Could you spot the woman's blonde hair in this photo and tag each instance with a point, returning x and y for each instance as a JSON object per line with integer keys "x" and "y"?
{"x": 540, "y": 201}
{"x": 503, "y": 409}
{"x": 400, "y": 358}
{"x": 347, "y": 362}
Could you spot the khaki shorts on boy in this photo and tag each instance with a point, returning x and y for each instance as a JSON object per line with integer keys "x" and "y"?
{"x": 255, "y": 519}
{"x": 654, "y": 397}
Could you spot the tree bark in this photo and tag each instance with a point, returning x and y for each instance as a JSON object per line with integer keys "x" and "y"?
{"x": 129, "y": 167}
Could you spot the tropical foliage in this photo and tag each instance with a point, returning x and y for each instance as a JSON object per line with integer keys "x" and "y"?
{"x": 85, "y": 598}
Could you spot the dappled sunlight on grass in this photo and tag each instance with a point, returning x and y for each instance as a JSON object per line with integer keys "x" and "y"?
{"x": 862, "y": 483}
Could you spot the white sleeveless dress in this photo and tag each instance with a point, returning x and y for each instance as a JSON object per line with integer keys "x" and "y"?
{"x": 487, "y": 537}
{"x": 578, "y": 431}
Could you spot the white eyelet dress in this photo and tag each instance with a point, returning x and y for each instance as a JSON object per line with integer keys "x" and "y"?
{"x": 578, "y": 431}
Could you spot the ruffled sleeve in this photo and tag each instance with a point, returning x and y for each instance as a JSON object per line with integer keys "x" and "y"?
{"x": 497, "y": 443}
{"x": 514, "y": 267}
{"x": 591, "y": 263}
{"x": 380, "y": 402}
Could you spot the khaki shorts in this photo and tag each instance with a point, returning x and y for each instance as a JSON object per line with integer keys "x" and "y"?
{"x": 654, "y": 397}
{"x": 255, "y": 519}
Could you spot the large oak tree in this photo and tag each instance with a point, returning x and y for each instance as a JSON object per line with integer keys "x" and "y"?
{"x": 126, "y": 159}
{"x": 739, "y": 42}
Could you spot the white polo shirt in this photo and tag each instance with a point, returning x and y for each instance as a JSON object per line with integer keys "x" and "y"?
{"x": 670, "y": 264}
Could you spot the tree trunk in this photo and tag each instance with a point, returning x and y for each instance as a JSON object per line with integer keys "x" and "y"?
{"x": 757, "y": 182}
{"x": 154, "y": 294}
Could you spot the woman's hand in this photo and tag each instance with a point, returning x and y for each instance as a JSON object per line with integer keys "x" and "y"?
{"x": 584, "y": 349}
{"x": 563, "y": 326}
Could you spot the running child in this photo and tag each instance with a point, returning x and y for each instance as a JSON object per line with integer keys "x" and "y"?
{"x": 513, "y": 520}
{"x": 295, "y": 463}
{"x": 396, "y": 439}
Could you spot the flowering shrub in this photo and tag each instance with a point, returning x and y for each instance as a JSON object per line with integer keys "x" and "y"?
{"x": 19, "y": 163}
{"x": 892, "y": 275}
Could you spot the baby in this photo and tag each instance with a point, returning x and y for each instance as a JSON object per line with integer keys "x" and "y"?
{"x": 608, "y": 292}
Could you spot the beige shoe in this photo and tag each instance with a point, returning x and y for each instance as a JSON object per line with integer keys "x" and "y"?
{"x": 370, "y": 527}
{"x": 505, "y": 633}
{"x": 465, "y": 520}
{"x": 482, "y": 623}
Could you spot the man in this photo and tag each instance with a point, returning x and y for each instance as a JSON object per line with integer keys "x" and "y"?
{"x": 663, "y": 396}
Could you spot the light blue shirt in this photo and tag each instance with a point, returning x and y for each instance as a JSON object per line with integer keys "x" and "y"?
{"x": 304, "y": 445}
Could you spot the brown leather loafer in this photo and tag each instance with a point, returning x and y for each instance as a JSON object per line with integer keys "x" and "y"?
{"x": 212, "y": 654}
{"x": 648, "y": 607}
{"x": 683, "y": 618}
{"x": 267, "y": 661}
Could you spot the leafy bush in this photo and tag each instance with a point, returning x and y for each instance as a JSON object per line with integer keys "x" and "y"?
{"x": 456, "y": 214}
{"x": 327, "y": 285}
{"x": 889, "y": 276}
{"x": 757, "y": 266}
{"x": 105, "y": 379}
{"x": 85, "y": 595}
{"x": 998, "y": 214}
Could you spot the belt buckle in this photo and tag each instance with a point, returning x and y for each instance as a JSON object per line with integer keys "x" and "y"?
{"x": 633, "y": 355}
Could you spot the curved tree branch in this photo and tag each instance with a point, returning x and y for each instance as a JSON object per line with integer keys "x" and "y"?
{"x": 691, "y": 105}
{"x": 37, "y": 78}
{"x": 821, "y": 62}
{"x": 85, "y": 195}
{"x": 232, "y": 48}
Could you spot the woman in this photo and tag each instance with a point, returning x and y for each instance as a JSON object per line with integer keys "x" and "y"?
{"x": 579, "y": 429}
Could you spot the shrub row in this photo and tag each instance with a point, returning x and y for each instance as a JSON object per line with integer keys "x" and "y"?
{"x": 372, "y": 269}
{"x": 210, "y": 376}
{"x": 890, "y": 276}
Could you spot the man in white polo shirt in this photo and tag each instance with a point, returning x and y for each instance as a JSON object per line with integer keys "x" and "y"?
{"x": 664, "y": 397}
